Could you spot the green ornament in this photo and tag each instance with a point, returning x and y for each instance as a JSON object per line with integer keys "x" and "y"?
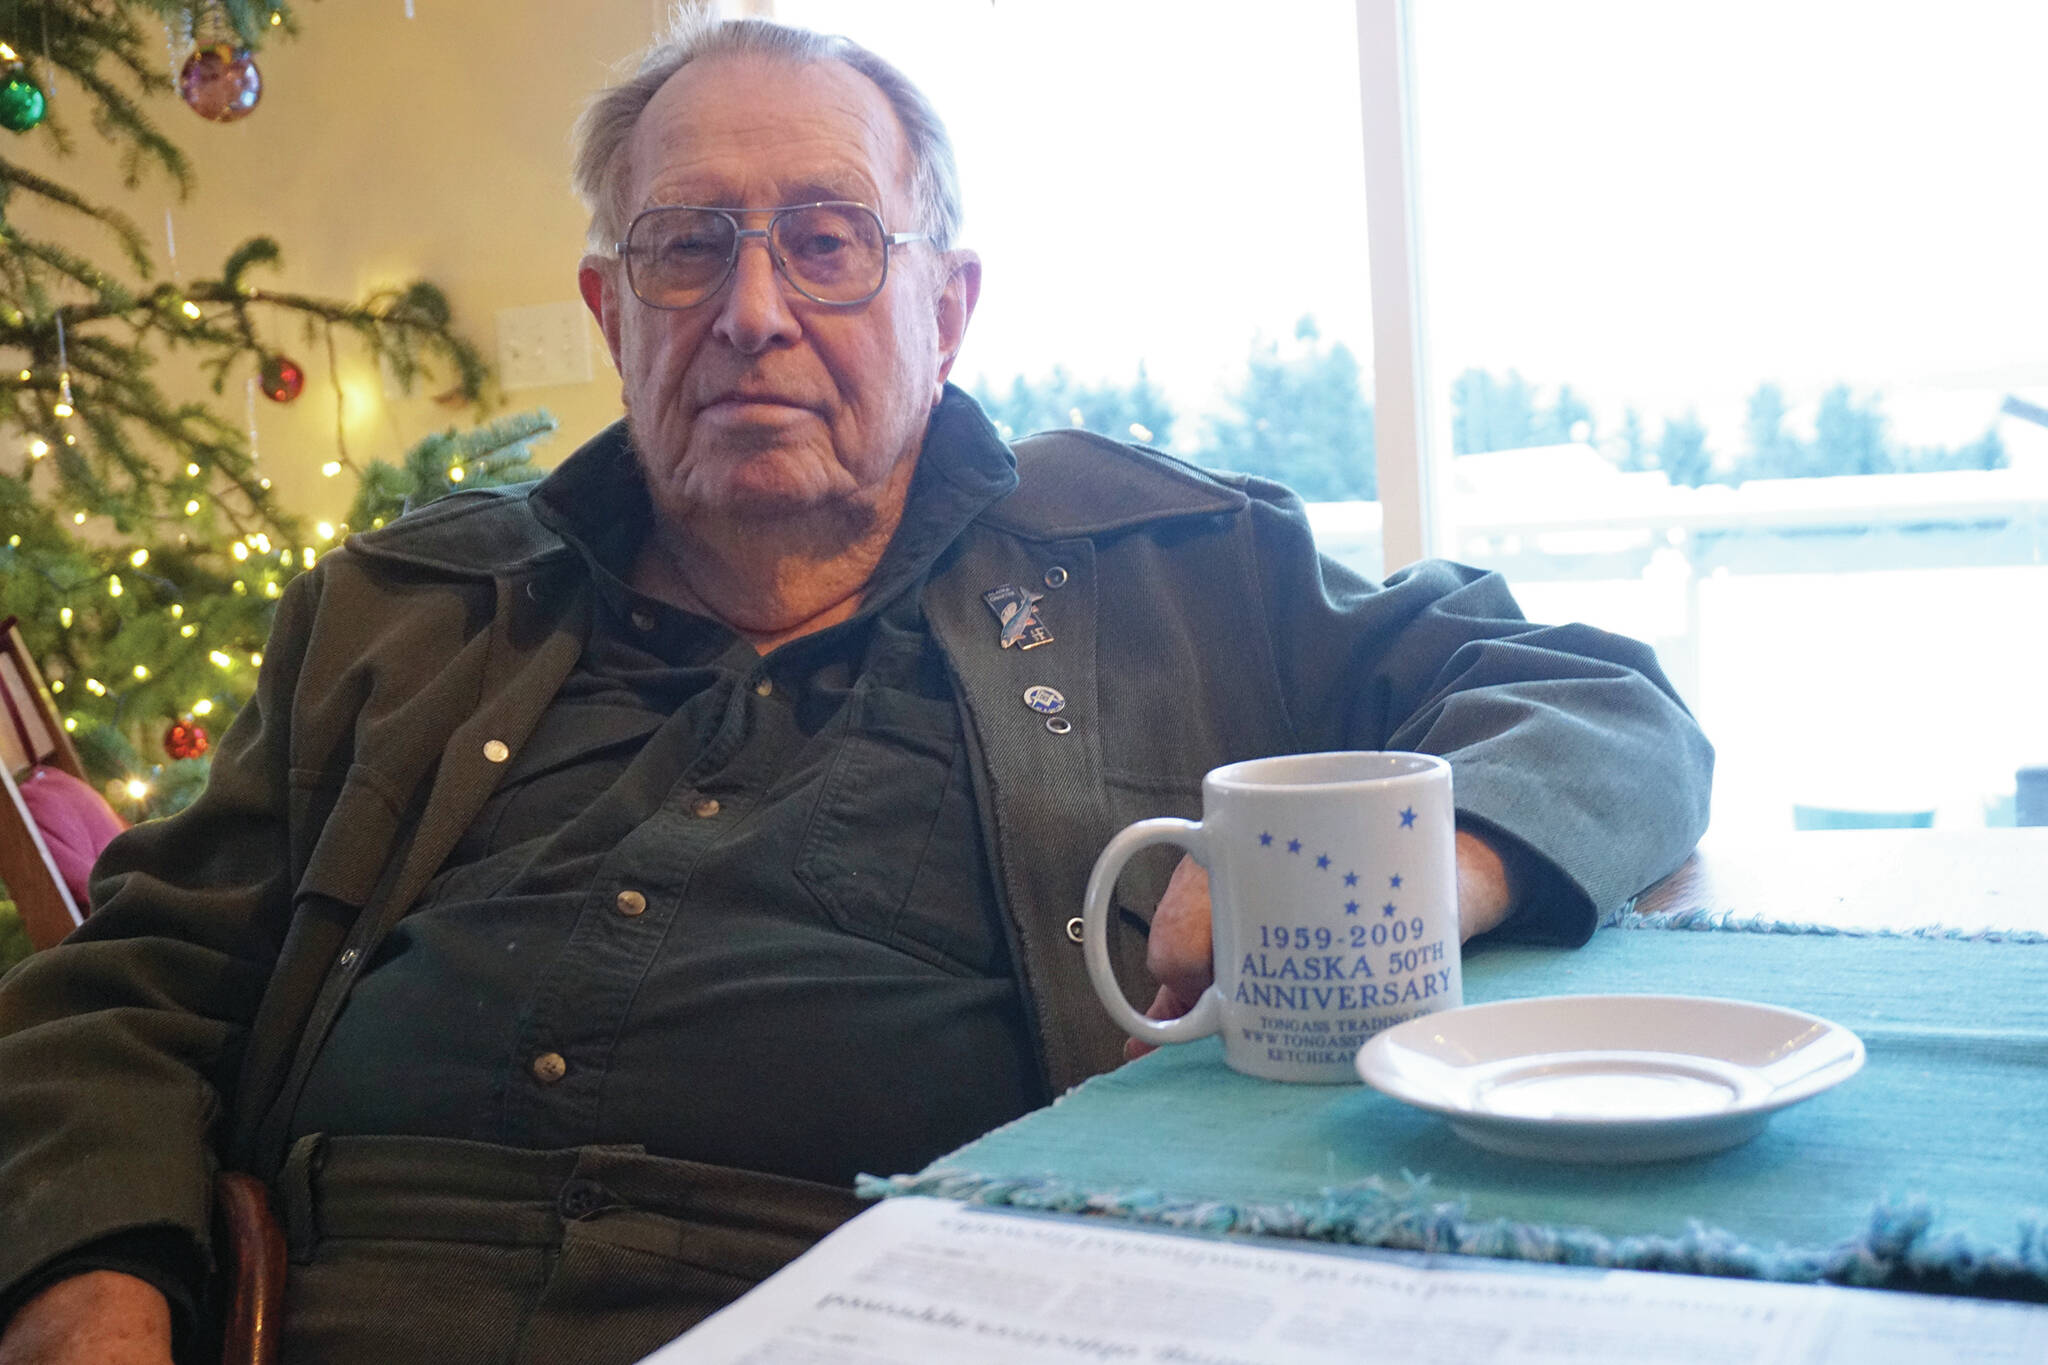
{"x": 22, "y": 105}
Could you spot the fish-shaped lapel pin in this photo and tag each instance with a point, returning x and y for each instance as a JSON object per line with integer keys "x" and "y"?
{"x": 1017, "y": 609}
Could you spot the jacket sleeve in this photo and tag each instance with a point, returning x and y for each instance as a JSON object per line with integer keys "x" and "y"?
{"x": 1569, "y": 748}
{"x": 118, "y": 1046}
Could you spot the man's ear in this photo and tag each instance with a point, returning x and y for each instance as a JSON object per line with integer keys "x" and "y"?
{"x": 598, "y": 280}
{"x": 956, "y": 301}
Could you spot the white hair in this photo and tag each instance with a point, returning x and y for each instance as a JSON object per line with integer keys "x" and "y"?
{"x": 602, "y": 133}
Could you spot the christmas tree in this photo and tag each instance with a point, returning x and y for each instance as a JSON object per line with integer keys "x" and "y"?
{"x": 140, "y": 544}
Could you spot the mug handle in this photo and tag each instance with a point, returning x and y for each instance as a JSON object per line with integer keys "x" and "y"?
{"x": 1199, "y": 1022}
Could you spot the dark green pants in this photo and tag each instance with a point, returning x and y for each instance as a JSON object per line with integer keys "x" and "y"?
{"x": 443, "y": 1252}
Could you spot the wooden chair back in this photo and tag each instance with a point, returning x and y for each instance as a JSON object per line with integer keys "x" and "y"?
{"x": 31, "y": 735}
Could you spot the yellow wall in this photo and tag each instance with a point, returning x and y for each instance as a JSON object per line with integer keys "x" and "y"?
{"x": 386, "y": 149}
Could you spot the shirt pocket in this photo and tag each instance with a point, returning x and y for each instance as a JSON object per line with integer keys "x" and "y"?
{"x": 576, "y": 754}
{"x": 893, "y": 852}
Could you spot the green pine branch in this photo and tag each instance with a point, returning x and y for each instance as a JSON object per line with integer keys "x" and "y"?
{"x": 140, "y": 543}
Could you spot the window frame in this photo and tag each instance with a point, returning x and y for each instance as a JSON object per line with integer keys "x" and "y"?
{"x": 1406, "y": 423}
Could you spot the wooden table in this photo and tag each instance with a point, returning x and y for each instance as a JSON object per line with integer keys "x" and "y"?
{"x": 1968, "y": 879}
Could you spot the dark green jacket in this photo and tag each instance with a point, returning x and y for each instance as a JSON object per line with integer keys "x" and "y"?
{"x": 1194, "y": 626}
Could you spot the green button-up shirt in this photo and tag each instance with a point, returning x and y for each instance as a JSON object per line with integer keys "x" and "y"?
{"x": 733, "y": 908}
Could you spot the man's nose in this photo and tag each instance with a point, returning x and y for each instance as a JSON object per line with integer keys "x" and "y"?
{"x": 754, "y": 312}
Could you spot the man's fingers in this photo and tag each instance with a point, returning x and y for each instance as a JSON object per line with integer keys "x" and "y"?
{"x": 1165, "y": 1005}
{"x": 1178, "y": 952}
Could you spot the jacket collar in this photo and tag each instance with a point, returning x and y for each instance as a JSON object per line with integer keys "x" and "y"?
{"x": 493, "y": 532}
{"x": 1056, "y": 485}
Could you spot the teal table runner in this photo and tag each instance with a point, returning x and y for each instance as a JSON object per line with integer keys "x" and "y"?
{"x": 1928, "y": 1169}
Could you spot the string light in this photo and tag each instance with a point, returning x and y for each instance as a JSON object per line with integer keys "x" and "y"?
{"x": 69, "y": 439}
{"x": 331, "y": 468}
{"x": 137, "y": 789}
{"x": 57, "y": 685}
{"x": 177, "y": 610}
{"x": 271, "y": 589}
{"x": 113, "y": 585}
{"x": 256, "y": 659}
{"x": 141, "y": 672}
{"x": 203, "y": 707}
{"x": 455, "y": 473}
{"x": 38, "y": 448}
{"x": 64, "y": 617}
{"x": 188, "y": 630}
{"x": 239, "y": 550}
{"x": 192, "y": 508}
{"x": 96, "y": 687}
{"x": 139, "y": 558}
{"x": 249, "y": 401}
{"x": 78, "y": 518}
{"x": 190, "y": 310}
{"x": 192, "y": 469}
{"x": 307, "y": 559}
{"x": 326, "y": 530}
{"x": 70, "y": 722}
{"x": 220, "y": 660}
{"x": 63, "y": 408}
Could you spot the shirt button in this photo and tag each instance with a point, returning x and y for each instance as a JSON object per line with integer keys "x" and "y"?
{"x": 704, "y": 807}
{"x": 631, "y": 903}
{"x": 1074, "y": 933}
{"x": 549, "y": 1068}
{"x": 495, "y": 750}
{"x": 643, "y": 621}
{"x": 763, "y": 688}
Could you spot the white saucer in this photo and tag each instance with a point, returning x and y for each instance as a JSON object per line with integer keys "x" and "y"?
{"x": 1610, "y": 1078}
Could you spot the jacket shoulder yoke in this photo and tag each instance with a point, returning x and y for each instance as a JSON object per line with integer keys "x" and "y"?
{"x": 1076, "y": 483}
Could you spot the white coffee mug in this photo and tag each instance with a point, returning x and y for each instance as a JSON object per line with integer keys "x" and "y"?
{"x": 1333, "y": 893}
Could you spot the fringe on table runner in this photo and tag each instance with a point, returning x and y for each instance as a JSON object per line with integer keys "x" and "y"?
{"x": 1730, "y": 921}
{"x": 1899, "y": 1249}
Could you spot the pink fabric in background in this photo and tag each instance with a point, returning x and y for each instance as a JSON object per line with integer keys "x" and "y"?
{"x": 76, "y": 822}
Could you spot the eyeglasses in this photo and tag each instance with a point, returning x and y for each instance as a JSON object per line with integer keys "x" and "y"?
{"x": 678, "y": 255}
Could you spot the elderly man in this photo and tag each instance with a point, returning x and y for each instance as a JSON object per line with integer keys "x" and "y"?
{"x": 605, "y": 874}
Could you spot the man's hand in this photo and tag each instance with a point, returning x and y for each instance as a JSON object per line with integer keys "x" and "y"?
{"x": 99, "y": 1318}
{"x": 1179, "y": 950}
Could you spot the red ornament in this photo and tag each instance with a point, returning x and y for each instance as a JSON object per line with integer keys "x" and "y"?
{"x": 185, "y": 740}
{"x": 281, "y": 379}
{"x": 220, "y": 82}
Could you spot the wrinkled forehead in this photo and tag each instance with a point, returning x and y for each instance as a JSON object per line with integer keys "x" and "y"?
{"x": 749, "y": 131}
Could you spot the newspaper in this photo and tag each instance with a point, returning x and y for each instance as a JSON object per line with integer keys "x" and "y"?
{"x": 932, "y": 1280}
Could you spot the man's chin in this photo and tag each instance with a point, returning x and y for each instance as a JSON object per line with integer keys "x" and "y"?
{"x": 763, "y": 492}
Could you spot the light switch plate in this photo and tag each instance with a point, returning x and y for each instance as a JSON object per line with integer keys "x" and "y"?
{"x": 542, "y": 346}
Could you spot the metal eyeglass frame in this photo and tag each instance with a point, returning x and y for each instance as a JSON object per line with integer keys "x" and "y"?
{"x": 767, "y": 236}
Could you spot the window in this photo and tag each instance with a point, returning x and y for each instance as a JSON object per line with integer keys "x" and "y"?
{"x": 1735, "y": 316}
{"x": 1168, "y": 203}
